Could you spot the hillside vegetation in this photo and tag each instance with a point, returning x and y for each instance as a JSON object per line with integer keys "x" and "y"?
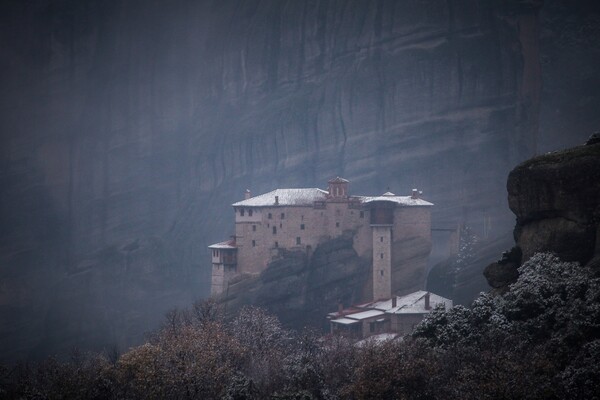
{"x": 540, "y": 339}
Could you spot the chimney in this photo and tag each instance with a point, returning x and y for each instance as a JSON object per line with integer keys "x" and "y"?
{"x": 247, "y": 194}
{"x": 415, "y": 194}
{"x": 427, "y": 305}
{"x": 276, "y": 200}
{"x": 394, "y": 301}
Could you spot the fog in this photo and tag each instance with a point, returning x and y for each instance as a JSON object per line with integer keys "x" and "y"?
{"x": 129, "y": 127}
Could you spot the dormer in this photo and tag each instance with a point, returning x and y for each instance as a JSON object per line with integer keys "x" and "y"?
{"x": 338, "y": 187}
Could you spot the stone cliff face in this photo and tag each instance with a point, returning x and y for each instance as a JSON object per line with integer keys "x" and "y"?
{"x": 128, "y": 127}
{"x": 556, "y": 198}
{"x": 300, "y": 290}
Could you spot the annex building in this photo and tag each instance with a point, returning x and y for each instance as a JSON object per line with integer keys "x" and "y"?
{"x": 389, "y": 318}
{"x": 301, "y": 219}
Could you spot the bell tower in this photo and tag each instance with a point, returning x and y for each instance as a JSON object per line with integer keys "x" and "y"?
{"x": 382, "y": 221}
{"x": 338, "y": 188}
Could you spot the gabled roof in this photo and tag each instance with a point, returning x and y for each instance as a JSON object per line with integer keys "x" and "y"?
{"x": 286, "y": 197}
{"x": 413, "y": 303}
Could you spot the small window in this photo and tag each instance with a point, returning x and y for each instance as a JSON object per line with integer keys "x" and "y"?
{"x": 253, "y": 228}
{"x": 381, "y": 256}
{"x": 270, "y": 216}
{"x": 381, "y": 239}
{"x": 362, "y": 214}
{"x": 250, "y": 212}
{"x": 302, "y": 226}
{"x": 381, "y": 272}
{"x": 241, "y": 212}
{"x": 274, "y": 230}
{"x": 298, "y": 241}
{"x": 280, "y": 225}
{"x": 276, "y": 244}
{"x": 282, "y": 215}
{"x": 254, "y": 243}
{"x": 337, "y": 224}
{"x": 302, "y": 218}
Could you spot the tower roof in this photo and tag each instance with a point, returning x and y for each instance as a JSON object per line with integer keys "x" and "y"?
{"x": 228, "y": 244}
{"x": 337, "y": 179}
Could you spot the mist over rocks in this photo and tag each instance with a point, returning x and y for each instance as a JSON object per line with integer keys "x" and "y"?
{"x": 128, "y": 127}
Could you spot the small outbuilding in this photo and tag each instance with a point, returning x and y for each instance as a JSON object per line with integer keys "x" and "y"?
{"x": 398, "y": 315}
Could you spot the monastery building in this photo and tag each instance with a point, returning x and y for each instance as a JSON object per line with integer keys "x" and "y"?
{"x": 301, "y": 219}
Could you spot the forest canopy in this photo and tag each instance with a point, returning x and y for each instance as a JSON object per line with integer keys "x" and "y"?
{"x": 541, "y": 339}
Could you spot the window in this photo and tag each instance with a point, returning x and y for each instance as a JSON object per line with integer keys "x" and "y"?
{"x": 362, "y": 214}
{"x": 381, "y": 256}
{"x": 381, "y": 239}
{"x": 276, "y": 244}
{"x": 337, "y": 224}
{"x": 302, "y": 218}
{"x": 282, "y": 215}
{"x": 274, "y": 230}
{"x": 298, "y": 241}
{"x": 253, "y": 228}
{"x": 381, "y": 272}
{"x": 250, "y": 212}
{"x": 241, "y": 212}
{"x": 270, "y": 216}
{"x": 254, "y": 243}
{"x": 302, "y": 226}
{"x": 280, "y": 225}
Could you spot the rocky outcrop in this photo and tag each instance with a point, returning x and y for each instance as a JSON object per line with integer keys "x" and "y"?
{"x": 301, "y": 290}
{"x": 556, "y": 198}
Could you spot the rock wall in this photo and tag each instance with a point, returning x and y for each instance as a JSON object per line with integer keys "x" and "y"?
{"x": 129, "y": 126}
{"x": 300, "y": 290}
{"x": 556, "y": 198}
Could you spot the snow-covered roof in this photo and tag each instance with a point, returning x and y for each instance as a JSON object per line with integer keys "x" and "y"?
{"x": 414, "y": 303}
{"x": 229, "y": 244}
{"x": 365, "y": 314}
{"x": 345, "y": 321}
{"x": 337, "y": 179}
{"x": 400, "y": 200}
{"x": 285, "y": 197}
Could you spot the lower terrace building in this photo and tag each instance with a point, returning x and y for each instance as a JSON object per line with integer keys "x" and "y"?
{"x": 398, "y": 315}
{"x": 301, "y": 219}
